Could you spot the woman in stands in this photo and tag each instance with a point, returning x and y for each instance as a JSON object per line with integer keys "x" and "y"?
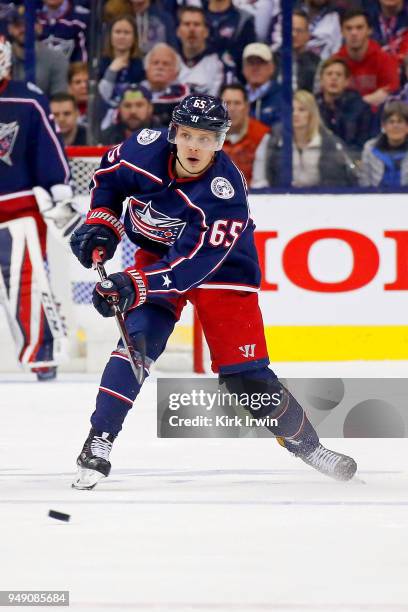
{"x": 319, "y": 158}
{"x": 120, "y": 66}
{"x": 385, "y": 158}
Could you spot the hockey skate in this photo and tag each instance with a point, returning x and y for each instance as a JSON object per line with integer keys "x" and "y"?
{"x": 326, "y": 461}
{"x": 93, "y": 464}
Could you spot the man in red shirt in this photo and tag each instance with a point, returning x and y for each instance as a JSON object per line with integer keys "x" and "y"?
{"x": 374, "y": 73}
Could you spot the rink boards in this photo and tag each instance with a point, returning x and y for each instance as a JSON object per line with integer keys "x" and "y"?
{"x": 335, "y": 277}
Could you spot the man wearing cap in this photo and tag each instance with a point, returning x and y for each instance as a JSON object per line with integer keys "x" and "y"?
{"x": 264, "y": 93}
{"x": 51, "y": 66}
{"x": 134, "y": 113}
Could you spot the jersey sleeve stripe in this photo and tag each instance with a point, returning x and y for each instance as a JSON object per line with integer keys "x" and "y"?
{"x": 244, "y": 184}
{"x": 153, "y": 177}
{"x": 16, "y": 194}
{"x": 95, "y": 179}
{"x": 70, "y": 22}
{"x": 232, "y": 286}
{"x": 204, "y": 228}
{"x": 197, "y": 248}
{"x": 117, "y": 395}
{"x": 82, "y": 45}
{"x": 196, "y": 284}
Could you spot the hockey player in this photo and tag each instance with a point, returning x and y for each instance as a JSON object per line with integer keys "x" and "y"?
{"x": 187, "y": 210}
{"x": 31, "y": 158}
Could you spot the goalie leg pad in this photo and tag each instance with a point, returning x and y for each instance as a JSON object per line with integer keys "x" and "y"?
{"x": 119, "y": 387}
{"x": 293, "y": 424}
{"x": 36, "y": 326}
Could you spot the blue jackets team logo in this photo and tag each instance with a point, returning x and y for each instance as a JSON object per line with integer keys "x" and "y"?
{"x": 153, "y": 224}
{"x": 8, "y": 135}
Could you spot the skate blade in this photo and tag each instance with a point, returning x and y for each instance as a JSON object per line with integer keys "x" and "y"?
{"x": 87, "y": 479}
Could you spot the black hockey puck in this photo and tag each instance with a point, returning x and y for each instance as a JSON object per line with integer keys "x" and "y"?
{"x": 60, "y": 516}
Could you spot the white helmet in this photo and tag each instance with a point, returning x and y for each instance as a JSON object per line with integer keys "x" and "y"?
{"x": 5, "y": 58}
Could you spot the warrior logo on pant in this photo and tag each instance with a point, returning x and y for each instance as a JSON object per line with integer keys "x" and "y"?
{"x": 248, "y": 350}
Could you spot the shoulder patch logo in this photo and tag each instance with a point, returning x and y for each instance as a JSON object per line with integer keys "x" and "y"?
{"x": 222, "y": 188}
{"x": 8, "y": 135}
{"x": 147, "y": 136}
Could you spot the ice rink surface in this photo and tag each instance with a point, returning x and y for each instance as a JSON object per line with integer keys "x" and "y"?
{"x": 201, "y": 525}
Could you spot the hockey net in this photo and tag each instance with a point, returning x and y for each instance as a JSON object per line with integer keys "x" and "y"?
{"x": 185, "y": 349}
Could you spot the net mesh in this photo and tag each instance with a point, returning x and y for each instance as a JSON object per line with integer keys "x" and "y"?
{"x": 82, "y": 170}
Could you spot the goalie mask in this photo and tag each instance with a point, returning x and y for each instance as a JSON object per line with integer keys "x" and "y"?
{"x": 5, "y": 58}
{"x": 200, "y": 112}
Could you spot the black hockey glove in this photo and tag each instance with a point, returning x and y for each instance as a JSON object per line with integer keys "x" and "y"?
{"x": 127, "y": 290}
{"x": 101, "y": 229}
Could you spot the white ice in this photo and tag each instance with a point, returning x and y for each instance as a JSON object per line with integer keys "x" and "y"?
{"x": 202, "y": 525}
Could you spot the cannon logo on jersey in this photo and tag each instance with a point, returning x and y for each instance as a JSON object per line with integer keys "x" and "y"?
{"x": 222, "y": 188}
{"x": 8, "y": 135}
{"x": 153, "y": 224}
{"x": 146, "y": 136}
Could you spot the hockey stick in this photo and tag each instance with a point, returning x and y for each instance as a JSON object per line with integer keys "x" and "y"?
{"x": 137, "y": 362}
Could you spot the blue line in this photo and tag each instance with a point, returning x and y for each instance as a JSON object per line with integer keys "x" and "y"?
{"x": 193, "y": 502}
{"x": 328, "y": 190}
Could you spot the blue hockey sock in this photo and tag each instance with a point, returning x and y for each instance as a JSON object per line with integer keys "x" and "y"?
{"x": 293, "y": 425}
{"x": 119, "y": 387}
{"x": 117, "y": 392}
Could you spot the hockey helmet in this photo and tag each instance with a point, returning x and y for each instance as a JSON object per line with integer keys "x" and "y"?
{"x": 201, "y": 112}
{"x": 5, "y": 57}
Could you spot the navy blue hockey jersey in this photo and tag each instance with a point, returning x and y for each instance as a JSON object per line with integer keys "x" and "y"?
{"x": 67, "y": 31}
{"x": 200, "y": 227}
{"x": 30, "y": 151}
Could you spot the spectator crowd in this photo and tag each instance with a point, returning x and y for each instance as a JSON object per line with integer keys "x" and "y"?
{"x": 349, "y": 79}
